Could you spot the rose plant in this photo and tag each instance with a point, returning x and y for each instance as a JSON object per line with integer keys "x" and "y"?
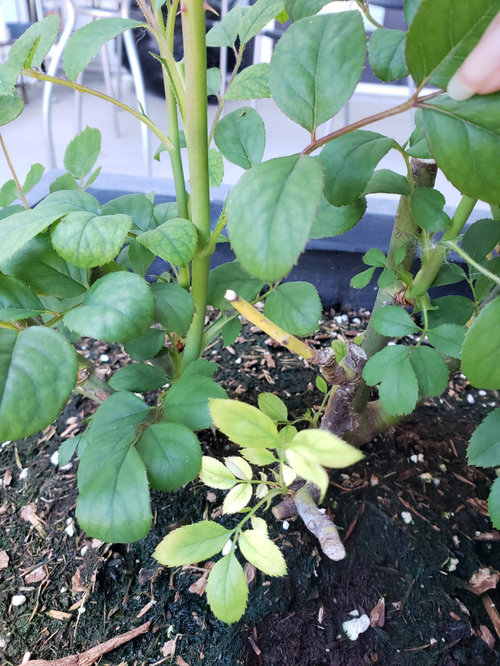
{"x": 71, "y": 267}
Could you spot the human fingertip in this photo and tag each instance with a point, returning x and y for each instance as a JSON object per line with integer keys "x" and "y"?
{"x": 458, "y": 90}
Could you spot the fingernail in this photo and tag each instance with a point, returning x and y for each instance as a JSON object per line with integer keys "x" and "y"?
{"x": 457, "y": 89}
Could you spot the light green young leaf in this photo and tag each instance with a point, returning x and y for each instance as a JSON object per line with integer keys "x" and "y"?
{"x": 481, "y": 351}
{"x": 215, "y": 168}
{"x": 259, "y": 550}
{"x": 241, "y": 137}
{"x": 244, "y": 424}
{"x": 214, "y": 80}
{"x": 374, "y": 257}
{"x": 239, "y": 467}
{"x": 33, "y": 177}
{"x": 10, "y": 107}
{"x": 295, "y": 306}
{"x": 231, "y": 276}
{"x": 257, "y": 17}
{"x": 427, "y": 209}
{"x": 260, "y": 457}
{"x": 216, "y": 475}
{"x": 259, "y": 524}
{"x": 393, "y": 322}
{"x": 118, "y": 307}
{"x": 86, "y": 42}
{"x": 348, "y": 163}
{"x": 187, "y": 401}
{"x": 174, "y": 241}
{"x": 64, "y": 182}
{"x": 174, "y": 307}
{"x": 271, "y": 212}
{"x": 251, "y": 83}
{"x": 300, "y": 75}
{"x": 325, "y": 448}
{"x": 308, "y": 469}
{"x": 472, "y": 132}
{"x": 172, "y": 455}
{"x": 431, "y": 371}
{"x": 289, "y": 475}
{"x": 448, "y": 338}
{"x": 191, "y": 543}
{"x": 137, "y": 377}
{"x": 227, "y": 589}
{"x": 484, "y": 445}
{"x": 87, "y": 240}
{"x": 386, "y": 54}
{"x": 436, "y": 46}
{"x": 237, "y": 498}
{"x": 286, "y": 434}
{"x": 37, "y": 374}
{"x": 362, "y": 279}
{"x": 273, "y": 406}
{"x": 334, "y": 220}
{"x": 82, "y": 153}
{"x": 8, "y": 193}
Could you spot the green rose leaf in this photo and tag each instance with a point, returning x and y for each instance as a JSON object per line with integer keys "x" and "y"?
{"x": 259, "y": 550}
{"x": 215, "y": 168}
{"x": 385, "y": 180}
{"x": 334, "y": 220}
{"x": 137, "y": 377}
{"x": 214, "y": 80}
{"x": 244, "y": 425}
{"x": 146, "y": 346}
{"x": 386, "y": 54}
{"x": 349, "y": 162}
{"x": 449, "y": 273}
{"x": 480, "y": 238}
{"x": 231, "y": 276}
{"x": 174, "y": 241}
{"x": 172, "y": 455}
{"x": 297, "y": 9}
{"x": 187, "y": 401}
{"x": 484, "y": 445}
{"x": 39, "y": 266}
{"x": 113, "y": 501}
{"x": 191, "y": 543}
{"x": 471, "y": 131}
{"x": 37, "y": 374}
{"x": 393, "y": 321}
{"x": 18, "y": 229}
{"x": 87, "y": 41}
{"x": 251, "y": 83}
{"x": 494, "y": 503}
{"x": 230, "y": 331}
{"x": 448, "y": 338}
{"x": 427, "y": 208}
{"x": 450, "y": 310}
{"x": 174, "y": 307}
{"x": 272, "y": 406}
{"x": 410, "y": 9}
{"x": 481, "y": 351}
{"x": 360, "y": 280}
{"x": 241, "y": 137}
{"x": 118, "y": 307}
{"x": 225, "y": 31}
{"x": 82, "y": 152}
{"x": 122, "y": 410}
{"x": 10, "y": 107}
{"x": 398, "y": 389}
{"x": 271, "y": 212}
{"x": 257, "y": 17}
{"x": 436, "y": 45}
{"x": 33, "y": 177}
{"x": 301, "y": 69}
{"x": 136, "y": 206}
{"x": 15, "y": 294}
{"x": 227, "y": 589}
{"x": 295, "y": 306}
{"x": 89, "y": 240}
{"x": 8, "y": 194}
{"x": 431, "y": 371}
{"x": 378, "y": 365}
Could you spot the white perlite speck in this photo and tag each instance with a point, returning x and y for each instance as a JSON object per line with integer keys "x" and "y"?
{"x": 470, "y": 399}
{"x": 18, "y": 600}
{"x": 353, "y": 628}
{"x": 407, "y": 517}
{"x": 54, "y": 458}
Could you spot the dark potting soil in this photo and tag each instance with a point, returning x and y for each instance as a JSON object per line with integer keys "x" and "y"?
{"x": 412, "y": 514}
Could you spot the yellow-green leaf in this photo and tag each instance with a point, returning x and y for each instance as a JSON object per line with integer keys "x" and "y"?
{"x": 260, "y": 551}
{"x": 237, "y": 498}
{"x": 215, "y": 474}
{"x": 243, "y": 424}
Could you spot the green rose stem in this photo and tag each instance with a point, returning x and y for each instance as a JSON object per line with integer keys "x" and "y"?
{"x": 13, "y": 172}
{"x": 196, "y": 130}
